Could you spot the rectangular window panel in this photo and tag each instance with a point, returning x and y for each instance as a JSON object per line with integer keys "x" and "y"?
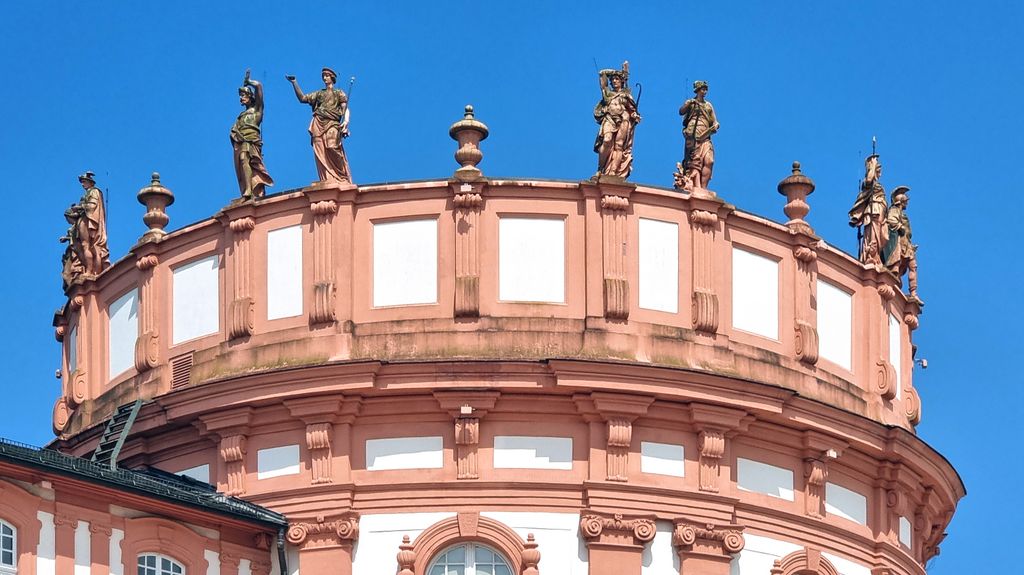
{"x": 284, "y": 272}
{"x": 199, "y": 472}
{"x": 906, "y": 532}
{"x": 277, "y": 461}
{"x": 124, "y": 330}
{"x": 764, "y": 478}
{"x": 835, "y": 324}
{"x": 405, "y": 262}
{"x": 528, "y": 452}
{"x": 846, "y": 503}
{"x": 531, "y": 259}
{"x": 895, "y": 349}
{"x": 404, "y": 453}
{"x": 661, "y": 459}
{"x": 196, "y": 292}
{"x": 755, "y": 293}
{"x": 72, "y": 340}
{"x": 659, "y": 265}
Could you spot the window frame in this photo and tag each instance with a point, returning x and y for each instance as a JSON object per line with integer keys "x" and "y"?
{"x": 13, "y": 566}
{"x": 470, "y": 548}
{"x": 159, "y": 568}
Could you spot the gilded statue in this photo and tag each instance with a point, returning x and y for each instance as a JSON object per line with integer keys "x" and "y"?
{"x": 87, "y": 253}
{"x": 618, "y": 116}
{"x": 899, "y": 252}
{"x": 869, "y": 213}
{"x": 699, "y": 123}
{"x": 328, "y": 127}
{"x": 247, "y": 141}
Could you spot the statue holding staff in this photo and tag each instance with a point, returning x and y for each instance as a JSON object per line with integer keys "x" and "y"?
{"x": 869, "y": 213}
{"x": 247, "y": 141}
{"x": 87, "y": 252}
{"x": 328, "y": 127}
{"x": 699, "y": 123}
{"x": 618, "y": 116}
{"x": 899, "y": 252}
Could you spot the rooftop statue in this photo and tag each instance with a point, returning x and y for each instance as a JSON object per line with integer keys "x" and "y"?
{"x": 869, "y": 212}
{"x": 247, "y": 141}
{"x": 87, "y": 253}
{"x": 618, "y": 116}
{"x": 899, "y": 252}
{"x": 328, "y": 127}
{"x": 699, "y": 123}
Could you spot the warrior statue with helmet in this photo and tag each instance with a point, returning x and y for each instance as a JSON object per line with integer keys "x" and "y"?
{"x": 869, "y": 213}
{"x": 899, "y": 252}
{"x": 699, "y": 123}
{"x": 247, "y": 141}
{"x": 87, "y": 253}
{"x": 618, "y": 116}
{"x": 328, "y": 127}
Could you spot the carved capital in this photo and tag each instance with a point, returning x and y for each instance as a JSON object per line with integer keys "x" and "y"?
{"x": 616, "y": 530}
{"x": 100, "y": 529}
{"x": 322, "y": 309}
{"x": 147, "y": 262}
{"x": 242, "y": 225}
{"x": 61, "y": 415}
{"x": 78, "y": 388}
{"x": 64, "y": 521}
{"x": 885, "y": 379}
{"x": 805, "y": 254}
{"x": 816, "y": 474}
{"x": 318, "y": 441}
{"x": 912, "y": 405}
{"x": 232, "y": 448}
{"x": 147, "y": 351}
{"x": 241, "y": 317}
{"x": 703, "y": 219}
{"x": 77, "y": 302}
{"x": 263, "y": 541}
{"x": 468, "y": 201}
{"x": 614, "y": 203}
{"x": 692, "y": 538}
{"x": 806, "y": 342}
{"x": 324, "y": 208}
{"x": 705, "y": 311}
{"x": 912, "y": 321}
{"x": 886, "y": 292}
{"x": 324, "y": 533}
{"x": 711, "y": 445}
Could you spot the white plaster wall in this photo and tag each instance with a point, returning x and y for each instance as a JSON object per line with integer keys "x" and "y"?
{"x": 196, "y": 291}
{"x": 381, "y": 534}
{"x": 755, "y": 293}
{"x": 659, "y": 265}
{"x": 759, "y": 554}
{"x": 284, "y": 272}
{"x": 895, "y": 352}
{"x": 527, "y": 452}
{"x": 212, "y": 562}
{"x": 244, "y": 567}
{"x": 72, "y": 340}
{"x": 662, "y": 459}
{"x": 764, "y": 478}
{"x": 846, "y": 503}
{"x": 906, "y": 532}
{"x": 659, "y": 557}
{"x": 531, "y": 259}
{"x": 404, "y": 453}
{"x": 116, "y": 566}
{"x": 46, "y": 552}
{"x": 292, "y": 554}
{"x": 123, "y": 330}
{"x": 845, "y": 566}
{"x": 835, "y": 324}
{"x": 405, "y": 262}
{"x": 277, "y": 461}
{"x": 557, "y": 535}
{"x": 83, "y": 550}
{"x": 199, "y": 472}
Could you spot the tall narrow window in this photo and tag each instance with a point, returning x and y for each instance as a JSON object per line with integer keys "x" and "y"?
{"x": 196, "y": 291}
{"x": 123, "y": 316}
{"x": 8, "y": 548}
{"x": 284, "y": 272}
{"x": 153, "y": 564}
{"x": 469, "y": 559}
{"x": 755, "y": 293}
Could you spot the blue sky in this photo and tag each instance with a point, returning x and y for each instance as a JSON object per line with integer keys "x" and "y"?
{"x": 125, "y": 88}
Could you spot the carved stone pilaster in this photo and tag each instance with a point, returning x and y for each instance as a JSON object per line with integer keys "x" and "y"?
{"x": 242, "y": 308}
{"x": 324, "y": 533}
{"x": 816, "y": 475}
{"x": 232, "y": 453}
{"x": 467, "y": 408}
{"x": 796, "y": 187}
{"x": 706, "y": 542}
{"x": 322, "y": 308}
{"x": 620, "y": 434}
{"x": 318, "y": 441}
{"x": 147, "y": 346}
{"x": 468, "y": 202}
{"x": 704, "y": 222}
{"x": 616, "y": 282}
{"x": 618, "y": 411}
{"x": 616, "y": 530}
{"x": 711, "y": 446}
{"x": 714, "y": 426}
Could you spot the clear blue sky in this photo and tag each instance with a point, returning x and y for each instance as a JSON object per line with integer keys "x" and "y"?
{"x": 125, "y": 88}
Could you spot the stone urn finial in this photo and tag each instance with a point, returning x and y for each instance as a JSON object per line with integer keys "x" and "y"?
{"x": 468, "y": 132}
{"x": 156, "y": 198}
{"x": 796, "y": 187}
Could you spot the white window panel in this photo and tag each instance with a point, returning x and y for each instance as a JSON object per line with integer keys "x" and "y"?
{"x": 846, "y": 503}
{"x": 662, "y": 459}
{"x": 199, "y": 472}
{"x": 405, "y": 262}
{"x": 284, "y": 272}
{"x": 895, "y": 352}
{"x": 277, "y": 461}
{"x": 906, "y": 532}
{"x": 835, "y": 324}
{"x": 764, "y": 478}
{"x": 755, "y": 293}
{"x": 659, "y": 265}
{"x": 124, "y": 330}
{"x": 196, "y": 297}
{"x": 529, "y": 452}
{"x": 531, "y": 259}
{"x": 72, "y": 340}
{"x": 405, "y": 453}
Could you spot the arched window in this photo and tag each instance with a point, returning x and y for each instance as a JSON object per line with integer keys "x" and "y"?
{"x": 468, "y": 559}
{"x": 8, "y": 548}
{"x": 153, "y": 564}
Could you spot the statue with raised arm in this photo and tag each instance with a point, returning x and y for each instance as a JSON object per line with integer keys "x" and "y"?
{"x": 869, "y": 213}
{"x": 247, "y": 141}
{"x": 699, "y": 123}
{"x": 900, "y": 253}
{"x": 328, "y": 127}
{"x": 87, "y": 252}
{"x": 618, "y": 116}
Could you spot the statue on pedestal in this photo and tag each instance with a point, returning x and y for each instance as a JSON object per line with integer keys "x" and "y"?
{"x": 247, "y": 142}
{"x": 618, "y": 116}
{"x": 328, "y": 127}
{"x": 699, "y": 123}
{"x": 869, "y": 213}
{"x": 899, "y": 252}
{"x": 87, "y": 252}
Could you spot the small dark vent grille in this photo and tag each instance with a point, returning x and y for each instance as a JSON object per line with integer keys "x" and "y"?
{"x": 181, "y": 370}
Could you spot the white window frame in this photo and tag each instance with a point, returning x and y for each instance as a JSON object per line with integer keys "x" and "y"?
{"x": 11, "y": 567}
{"x": 469, "y": 566}
{"x": 159, "y": 569}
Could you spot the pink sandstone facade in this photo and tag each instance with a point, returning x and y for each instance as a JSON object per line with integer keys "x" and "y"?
{"x": 522, "y": 376}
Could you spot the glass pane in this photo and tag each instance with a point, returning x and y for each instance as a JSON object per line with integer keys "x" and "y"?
{"x": 7, "y": 557}
{"x": 437, "y": 570}
{"x": 501, "y": 570}
{"x": 176, "y": 569}
{"x": 8, "y": 532}
{"x": 483, "y": 555}
{"x": 484, "y": 569}
{"x": 457, "y": 555}
{"x": 7, "y": 543}
{"x": 459, "y": 570}
{"x": 151, "y": 561}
